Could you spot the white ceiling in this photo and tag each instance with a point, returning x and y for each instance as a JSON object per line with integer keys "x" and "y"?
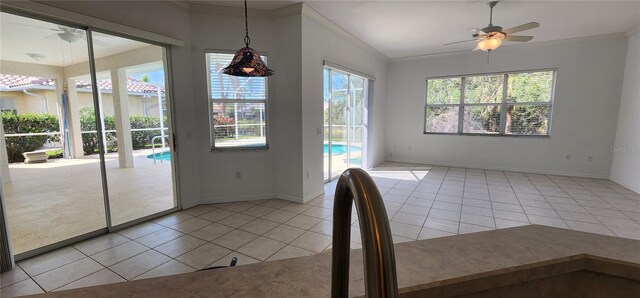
{"x": 23, "y": 35}
{"x": 404, "y": 29}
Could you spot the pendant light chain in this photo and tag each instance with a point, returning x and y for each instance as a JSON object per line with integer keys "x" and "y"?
{"x": 247, "y": 40}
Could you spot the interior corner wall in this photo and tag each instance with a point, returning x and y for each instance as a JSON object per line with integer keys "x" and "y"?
{"x": 585, "y": 109}
{"x": 286, "y": 108}
{"x": 320, "y": 43}
{"x": 625, "y": 168}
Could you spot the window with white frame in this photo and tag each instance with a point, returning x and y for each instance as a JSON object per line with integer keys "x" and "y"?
{"x": 512, "y": 104}
{"x": 237, "y": 106}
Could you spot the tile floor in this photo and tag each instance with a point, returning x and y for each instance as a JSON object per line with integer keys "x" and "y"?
{"x": 422, "y": 202}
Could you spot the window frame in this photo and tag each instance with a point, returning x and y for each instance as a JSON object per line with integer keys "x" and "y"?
{"x": 211, "y": 101}
{"x": 503, "y": 104}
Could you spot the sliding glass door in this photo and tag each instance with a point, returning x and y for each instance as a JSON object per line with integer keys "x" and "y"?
{"x": 344, "y": 114}
{"x": 86, "y": 131}
{"x": 132, "y": 93}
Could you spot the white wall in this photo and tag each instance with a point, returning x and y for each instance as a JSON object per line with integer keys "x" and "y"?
{"x": 321, "y": 40}
{"x": 625, "y": 169}
{"x": 217, "y": 28}
{"x": 585, "y": 110}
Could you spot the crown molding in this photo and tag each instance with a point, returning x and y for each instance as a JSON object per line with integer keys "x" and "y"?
{"x": 529, "y": 44}
{"x": 328, "y": 24}
{"x": 228, "y": 10}
{"x": 291, "y": 10}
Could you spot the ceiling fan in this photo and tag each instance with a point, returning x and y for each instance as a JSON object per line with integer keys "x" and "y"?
{"x": 65, "y": 33}
{"x": 491, "y": 37}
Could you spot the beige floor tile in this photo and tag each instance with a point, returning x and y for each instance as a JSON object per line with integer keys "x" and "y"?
{"x": 312, "y": 241}
{"x": 237, "y": 220}
{"x": 325, "y": 227}
{"x": 259, "y": 226}
{"x": 102, "y": 277}
{"x": 121, "y": 252}
{"x": 25, "y": 287}
{"x": 505, "y": 223}
{"x": 191, "y": 225}
{"x": 296, "y": 207}
{"x": 478, "y": 220}
{"x": 11, "y": 277}
{"x": 427, "y": 233}
{"x": 211, "y": 231}
{"x": 405, "y": 230}
{"x": 61, "y": 276}
{"x": 139, "y": 264}
{"x": 180, "y": 245}
{"x": 274, "y": 203}
{"x": 203, "y": 255}
{"x": 199, "y": 210}
{"x": 400, "y": 239}
{"x": 226, "y": 260}
{"x": 566, "y": 215}
{"x": 239, "y": 206}
{"x": 140, "y": 230}
{"x": 173, "y": 218}
{"x": 51, "y": 260}
{"x": 318, "y": 212}
{"x": 258, "y": 211}
{"x": 289, "y": 252}
{"x": 279, "y": 216}
{"x": 444, "y": 214}
{"x": 234, "y": 239}
{"x": 216, "y": 214}
{"x": 469, "y": 228}
{"x": 442, "y": 225}
{"x": 159, "y": 237}
{"x": 169, "y": 268}
{"x": 284, "y": 233}
{"x": 410, "y": 219}
{"x": 100, "y": 243}
{"x": 304, "y": 222}
{"x": 261, "y": 248}
{"x": 514, "y": 216}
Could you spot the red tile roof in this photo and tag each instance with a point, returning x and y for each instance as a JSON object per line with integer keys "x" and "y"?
{"x": 17, "y": 82}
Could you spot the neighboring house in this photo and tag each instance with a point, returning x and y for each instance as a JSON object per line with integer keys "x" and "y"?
{"x": 143, "y": 97}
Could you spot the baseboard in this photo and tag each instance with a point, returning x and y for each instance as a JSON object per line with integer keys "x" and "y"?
{"x": 312, "y": 196}
{"x": 533, "y": 171}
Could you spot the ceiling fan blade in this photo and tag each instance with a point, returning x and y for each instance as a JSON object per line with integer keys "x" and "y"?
{"x": 518, "y": 38}
{"x": 455, "y": 42}
{"x": 476, "y": 49}
{"x": 522, "y": 27}
{"x": 34, "y": 26}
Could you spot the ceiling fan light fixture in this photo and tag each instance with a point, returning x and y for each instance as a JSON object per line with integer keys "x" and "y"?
{"x": 492, "y": 42}
{"x": 247, "y": 61}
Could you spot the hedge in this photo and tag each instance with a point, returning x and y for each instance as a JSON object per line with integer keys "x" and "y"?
{"x": 140, "y": 139}
{"x": 28, "y": 123}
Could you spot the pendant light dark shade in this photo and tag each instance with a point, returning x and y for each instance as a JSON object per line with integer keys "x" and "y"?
{"x": 247, "y": 62}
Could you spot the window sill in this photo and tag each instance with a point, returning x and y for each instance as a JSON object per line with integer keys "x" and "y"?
{"x": 223, "y": 149}
{"x": 487, "y": 135}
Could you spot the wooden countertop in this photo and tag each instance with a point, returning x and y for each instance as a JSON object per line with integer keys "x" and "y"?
{"x": 427, "y": 262}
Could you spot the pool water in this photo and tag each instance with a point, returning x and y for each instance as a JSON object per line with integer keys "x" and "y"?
{"x": 165, "y": 155}
{"x": 339, "y": 149}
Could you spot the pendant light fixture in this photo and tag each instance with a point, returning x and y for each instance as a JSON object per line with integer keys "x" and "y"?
{"x": 247, "y": 62}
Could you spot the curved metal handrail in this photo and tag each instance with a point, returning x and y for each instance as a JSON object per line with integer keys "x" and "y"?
{"x": 355, "y": 185}
{"x": 153, "y": 147}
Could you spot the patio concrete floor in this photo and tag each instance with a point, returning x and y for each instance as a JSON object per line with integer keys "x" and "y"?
{"x": 63, "y": 198}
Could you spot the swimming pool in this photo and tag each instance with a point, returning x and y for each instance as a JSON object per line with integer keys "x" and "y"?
{"x": 339, "y": 149}
{"x": 165, "y": 155}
